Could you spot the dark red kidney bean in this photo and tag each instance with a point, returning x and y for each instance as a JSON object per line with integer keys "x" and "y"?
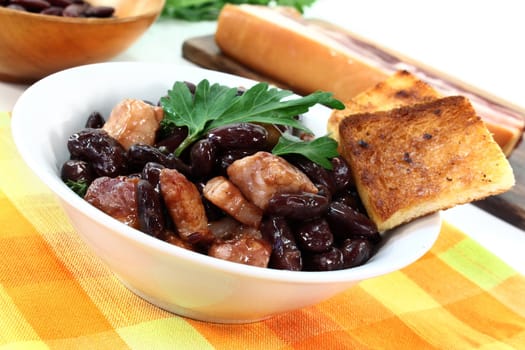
{"x": 356, "y": 252}
{"x": 330, "y": 260}
{"x": 74, "y": 10}
{"x": 227, "y": 157}
{"x": 60, "y": 3}
{"x": 203, "y": 158}
{"x": 173, "y": 140}
{"x": 77, "y": 171}
{"x": 346, "y": 222}
{"x": 150, "y": 210}
{"x": 350, "y": 197}
{"x": 342, "y": 174}
{"x": 16, "y": 7}
{"x": 32, "y": 5}
{"x": 297, "y": 206}
{"x": 285, "y": 253}
{"x": 52, "y": 11}
{"x": 95, "y": 121}
{"x": 314, "y": 236}
{"x": 151, "y": 173}
{"x": 239, "y": 136}
{"x": 99, "y": 11}
{"x": 105, "y": 154}
{"x": 140, "y": 154}
{"x": 316, "y": 173}
{"x": 191, "y": 86}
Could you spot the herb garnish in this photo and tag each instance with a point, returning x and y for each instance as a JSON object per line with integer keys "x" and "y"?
{"x": 215, "y": 105}
{"x": 199, "y": 10}
{"x": 79, "y": 187}
{"x": 319, "y": 150}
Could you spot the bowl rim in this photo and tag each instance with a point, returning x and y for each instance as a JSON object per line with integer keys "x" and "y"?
{"x": 59, "y": 188}
{"x": 83, "y": 20}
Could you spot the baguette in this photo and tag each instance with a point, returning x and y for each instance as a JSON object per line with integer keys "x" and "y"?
{"x": 415, "y": 160}
{"x": 308, "y": 55}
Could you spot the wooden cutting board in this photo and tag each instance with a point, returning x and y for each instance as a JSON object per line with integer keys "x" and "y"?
{"x": 509, "y": 206}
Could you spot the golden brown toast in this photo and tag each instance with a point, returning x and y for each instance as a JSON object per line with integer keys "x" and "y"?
{"x": 400, "y": 89}
{"x": 419, "y": 159}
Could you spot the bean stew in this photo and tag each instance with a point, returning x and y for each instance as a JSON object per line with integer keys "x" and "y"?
{"x": 226, "y": 195}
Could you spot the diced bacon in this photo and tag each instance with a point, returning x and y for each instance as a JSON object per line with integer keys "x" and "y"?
{"x": 134, "y": 122}
{"x": 263, "y": 174}
{"x": 229, "y": 198}
{"x": 185, "y": 207}
{"x": 244, "y": 249}
{"x": 115, "y": 197}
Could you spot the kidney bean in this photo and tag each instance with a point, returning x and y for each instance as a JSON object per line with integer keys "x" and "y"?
{"x": 346, "y": 222}
{"x": 298, "y": 206}
{"x": 314, "y": 236}
{"x": 173, "y": 140}
{"x": 350, "y": 197}
{"x": 330, "y": 260}
{"x": 16, "y": 7}
{"x": 104, "y": 153}
{"x": 60, "y": 3}
{"x": 239, "y": 136}
{"x": 75, "y": 10}
{"x": 151, "y": 173}
{"x": 226, "y": 158}
{"x": 95, "y": 121}
{"x": 52, "y": 11}
{"x": 77, "y": 171}
{"x": 316, "y": 173}
{"x": 150, "y": 210}
{"x": 203, "y": 158}
{"x": 32, "y": 5}
{"x": 139, "y": 155}
{"x": 342, "y": 174}
{"x": 99, "y": 11}
{"x": 285, "y": 253}
{"x": 356, "y": 252}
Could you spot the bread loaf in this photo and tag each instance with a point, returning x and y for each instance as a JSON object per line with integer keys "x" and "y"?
{"x": 415, "y": 160}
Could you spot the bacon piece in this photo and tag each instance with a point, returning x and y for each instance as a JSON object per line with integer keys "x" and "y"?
{"x": 185, "y": 207}
{"x": 115, "y": 197}
{"x": 244, "y": 248}
{"x": 134, "y": 122}
{"x": 225, "y": 195}
{"x": 263, "y": 174}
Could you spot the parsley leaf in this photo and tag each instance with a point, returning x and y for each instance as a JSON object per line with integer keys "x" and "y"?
{"x": 215, "y": 105}
{"x": 200, "y": 10}
{"x": 79, "y": 187}
{"x": 320, "y": 150}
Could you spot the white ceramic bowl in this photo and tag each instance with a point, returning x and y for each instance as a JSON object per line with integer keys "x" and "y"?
{"x": 178, "y": 280}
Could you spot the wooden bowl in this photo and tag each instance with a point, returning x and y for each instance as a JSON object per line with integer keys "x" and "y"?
{"x": 34, "y": 45}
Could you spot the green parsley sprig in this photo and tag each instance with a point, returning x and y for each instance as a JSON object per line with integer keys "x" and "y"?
{"x": 214, "y": 105}
{"x": 202, "y": 10}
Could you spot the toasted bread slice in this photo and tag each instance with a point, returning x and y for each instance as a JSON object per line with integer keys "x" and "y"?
{"x": 400, "y": 89}
{"x": 419, "y": 159}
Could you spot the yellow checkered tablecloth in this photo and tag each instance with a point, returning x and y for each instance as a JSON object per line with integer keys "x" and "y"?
{"x": 55, "y": 294}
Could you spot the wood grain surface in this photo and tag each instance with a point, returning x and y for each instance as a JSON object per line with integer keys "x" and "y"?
{"x": 509, "y": 206}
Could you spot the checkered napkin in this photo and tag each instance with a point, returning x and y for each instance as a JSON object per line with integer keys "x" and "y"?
{"x": 54, "y": 294}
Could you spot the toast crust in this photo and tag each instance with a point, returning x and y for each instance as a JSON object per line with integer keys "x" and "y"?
{"x": 400, "y": 89}
{"x": 415, "y": 160}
